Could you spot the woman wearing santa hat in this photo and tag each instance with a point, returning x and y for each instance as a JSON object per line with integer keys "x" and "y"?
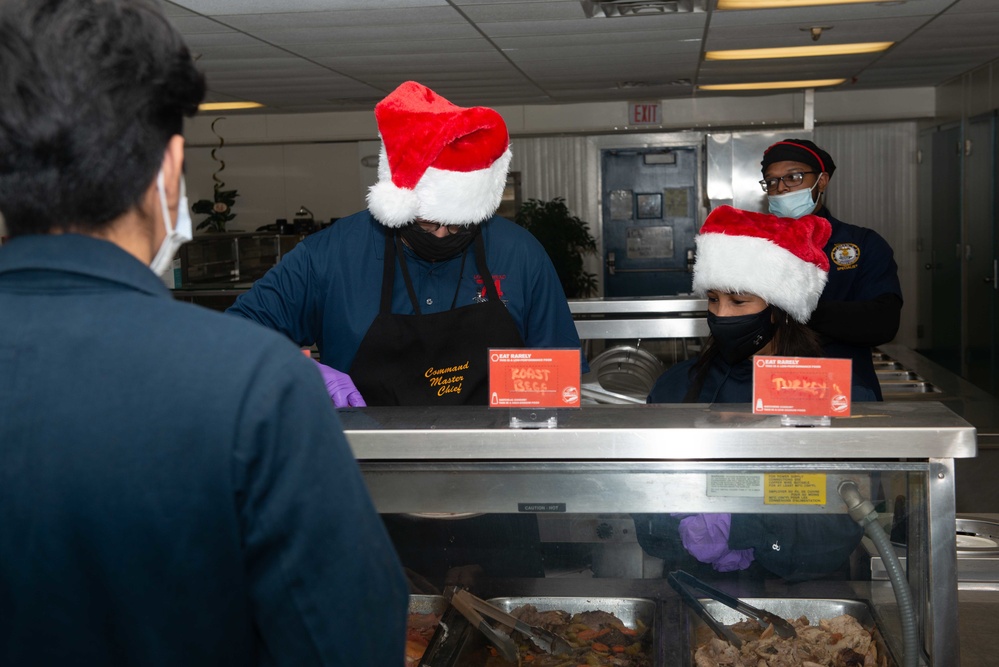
{"x": 762, "y": 276}
{"x": 405, "y": 298}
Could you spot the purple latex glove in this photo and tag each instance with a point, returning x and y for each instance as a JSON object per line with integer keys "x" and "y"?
{"x": 705, "y": 537}
{"x": 340, "y": 387}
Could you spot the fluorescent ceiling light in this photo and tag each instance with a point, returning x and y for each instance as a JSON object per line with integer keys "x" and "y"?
{"x": 779, "y": 4}
{"x": 814, "y": 83}
{"x": 798, "y": 51}
{"x": 228, "y": 106}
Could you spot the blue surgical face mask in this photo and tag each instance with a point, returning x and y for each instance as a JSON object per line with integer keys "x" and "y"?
{"x": 793, "y": 204}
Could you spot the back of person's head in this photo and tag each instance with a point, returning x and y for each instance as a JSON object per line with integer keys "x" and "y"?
{"x": 781, "y": 260}
{"x": 92, "y": 91}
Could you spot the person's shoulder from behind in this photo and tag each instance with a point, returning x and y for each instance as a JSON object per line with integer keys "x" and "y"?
{"x": 220, "y": 352}
{"x": 672, "y": 386}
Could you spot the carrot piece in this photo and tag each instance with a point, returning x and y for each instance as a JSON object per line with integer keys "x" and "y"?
{"x": 597, "y": 646}
{"x": 617, "y": 648}
{"x": 589, "y": 633}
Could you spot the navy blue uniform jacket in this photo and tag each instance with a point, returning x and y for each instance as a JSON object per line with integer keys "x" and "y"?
{"x": 326, "y": 290}
{"x": 175, "y": 488}
{"x": 861, "y": 268}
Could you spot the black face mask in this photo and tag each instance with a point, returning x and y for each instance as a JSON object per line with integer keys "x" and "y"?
{"x": 740, "y": 336}
{"x": 433, "y": 248}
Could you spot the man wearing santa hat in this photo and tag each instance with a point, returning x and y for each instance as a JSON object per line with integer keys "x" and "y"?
{"x": 405, "y": 298}
{"x": 762, "y": 276}
{"x": 862, "y": 302}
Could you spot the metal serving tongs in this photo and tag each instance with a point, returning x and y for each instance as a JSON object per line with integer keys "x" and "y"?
{"x": 682, "y": 582}
{"x": 474, "y": 609}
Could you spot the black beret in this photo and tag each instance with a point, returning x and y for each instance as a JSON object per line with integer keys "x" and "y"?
{"x": 799, "y": 150}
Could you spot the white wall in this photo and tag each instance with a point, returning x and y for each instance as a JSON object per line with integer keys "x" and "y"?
{"x": 281, "y": 162}
{"x": 274, "y": 180}
{"x": 756, "y": 111}
{"x": 875, "y": 186}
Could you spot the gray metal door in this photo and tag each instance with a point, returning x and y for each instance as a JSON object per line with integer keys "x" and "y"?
{"x": 649, "y": 220}
{"x": 979, "y": 253}
{"x": 946, "y": 254}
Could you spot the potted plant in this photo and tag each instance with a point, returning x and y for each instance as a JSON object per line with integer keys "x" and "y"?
{"x": 565, "y": 238}
{"x": 219, "y": 210}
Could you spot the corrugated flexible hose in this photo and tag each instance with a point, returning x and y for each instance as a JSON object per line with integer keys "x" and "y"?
{"x": 863, "y": 513}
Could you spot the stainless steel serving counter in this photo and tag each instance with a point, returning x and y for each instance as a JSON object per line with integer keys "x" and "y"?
{"x": 654, "y": 432}
{"x": 662, "y": 458}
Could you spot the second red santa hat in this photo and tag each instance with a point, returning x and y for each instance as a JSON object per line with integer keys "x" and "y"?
{"x": 781, "y": 260}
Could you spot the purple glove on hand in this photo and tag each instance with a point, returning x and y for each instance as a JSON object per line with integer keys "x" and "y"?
{"x": 705, "y": 537}
{"x": 340, "y": 387}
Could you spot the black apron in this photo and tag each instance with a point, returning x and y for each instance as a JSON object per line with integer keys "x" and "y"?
{"x": 436, "y": 359}
{"x": 395, "y": 365}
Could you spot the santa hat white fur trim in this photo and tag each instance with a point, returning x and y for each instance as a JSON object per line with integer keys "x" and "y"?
{"x": 751, "y": 265}
{"x": 447, "y": 197}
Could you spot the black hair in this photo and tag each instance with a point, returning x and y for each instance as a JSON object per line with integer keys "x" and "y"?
{"x": 791, "y": 339}
{"x": 92, "y": 91}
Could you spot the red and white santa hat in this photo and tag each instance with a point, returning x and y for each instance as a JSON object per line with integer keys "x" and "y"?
{"x": 780, "y": 260}
{"x": 439, "y": 162}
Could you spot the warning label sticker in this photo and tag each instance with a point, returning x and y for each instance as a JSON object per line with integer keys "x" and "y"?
{"x": 794, "y": 489}
{"x": 735, "y": 484}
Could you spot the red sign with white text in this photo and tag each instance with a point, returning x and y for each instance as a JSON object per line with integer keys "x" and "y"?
{"x": 533, "y": 378}
{"x": 808, "y": 386}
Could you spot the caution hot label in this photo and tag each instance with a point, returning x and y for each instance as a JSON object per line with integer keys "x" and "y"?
{"x": 794, "y": 489}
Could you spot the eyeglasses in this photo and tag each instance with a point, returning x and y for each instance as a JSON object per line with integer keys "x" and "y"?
{"x": 789, "y": 180}
{"x": 432, "y": 227}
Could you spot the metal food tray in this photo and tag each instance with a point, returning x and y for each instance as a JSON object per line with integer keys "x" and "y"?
{"x": 427, "y": 604}
{"x": 628, "y": 610}
{"x": 790, "y": 608}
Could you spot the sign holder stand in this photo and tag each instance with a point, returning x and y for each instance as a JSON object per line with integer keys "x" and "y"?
{"x": 805, "y": 420}
{"x": 533, "y": 418}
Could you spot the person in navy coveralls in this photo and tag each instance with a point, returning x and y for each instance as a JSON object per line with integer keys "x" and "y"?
{"x": 861, "y": 305}
{"x": 175, "y": 487}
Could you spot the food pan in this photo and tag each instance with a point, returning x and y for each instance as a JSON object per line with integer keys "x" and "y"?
{"x": 812, "y": 609}
{"x": 427, "y": 604}
{"x": 628, "y": 610}
{"x": 416, "y": 631}
{"x": 474, "y": 652}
